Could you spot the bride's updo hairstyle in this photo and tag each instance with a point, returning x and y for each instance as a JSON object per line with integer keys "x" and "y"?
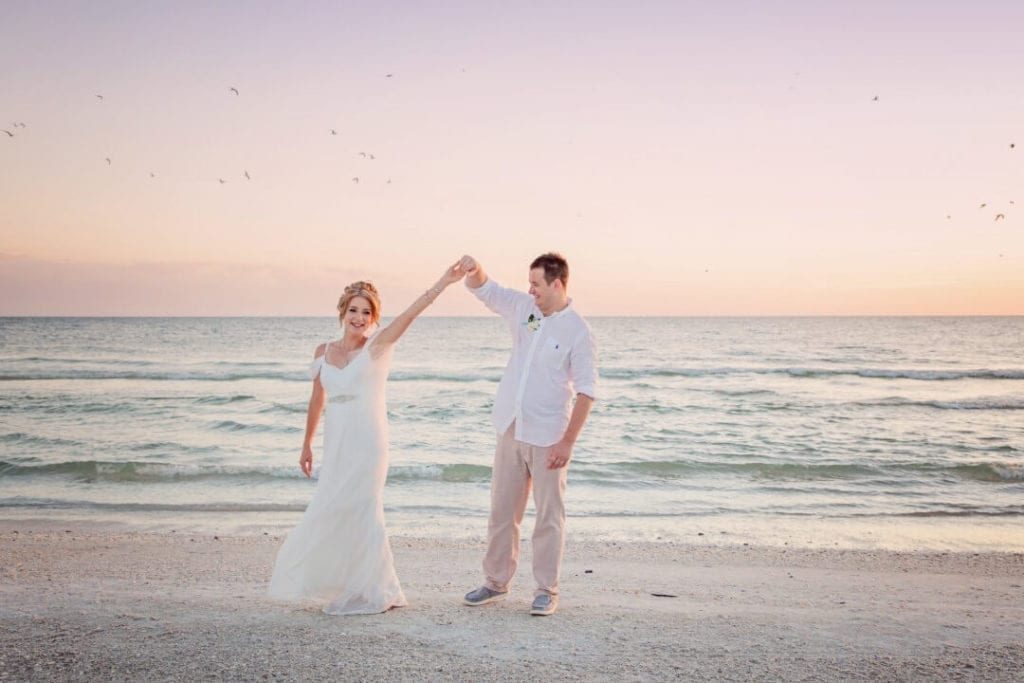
{"x": 365, "y": 290}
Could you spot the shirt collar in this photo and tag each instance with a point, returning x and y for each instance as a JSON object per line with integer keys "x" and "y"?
{"x": 556, "y": 314}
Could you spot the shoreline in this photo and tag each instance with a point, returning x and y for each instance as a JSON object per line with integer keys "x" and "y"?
{"x": 88, "y": 604}
{"x": 902, "y": 534}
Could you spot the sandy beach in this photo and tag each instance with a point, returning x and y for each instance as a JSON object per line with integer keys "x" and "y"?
{"x": 82, "y": 603}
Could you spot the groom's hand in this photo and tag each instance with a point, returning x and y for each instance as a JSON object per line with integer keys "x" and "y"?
{"x": 475, "y": 275}
{"x": 559, "y": 455}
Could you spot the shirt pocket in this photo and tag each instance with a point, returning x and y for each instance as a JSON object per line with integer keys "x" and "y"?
{"x": 554, "y": 353}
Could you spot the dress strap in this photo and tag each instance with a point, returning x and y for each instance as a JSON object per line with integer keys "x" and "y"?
{"x": 318, "y": 363}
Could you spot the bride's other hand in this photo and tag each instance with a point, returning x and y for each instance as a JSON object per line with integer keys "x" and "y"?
{"x": 306, "y": 461}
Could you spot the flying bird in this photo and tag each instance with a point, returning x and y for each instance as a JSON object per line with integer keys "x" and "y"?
{"x": 9, "y": 133}
{"x": 333, "y": 132}
{"x": 388, "y": 75}
{"x": 875, "y": 98}
{"x": 108, "y": 161}
{"x": 247, "y": 177}
{"x": 100, "y": 97}
{"x": 152, "y": 175}
{"x": 362, "y": 154}
{"x": 372, "y": 157}
{"x": 999, "y": 217}
{"x": 221, "y": 181}
{"x": 1012, "y": 145}
{"x": 233, "y": 89}
{"x": 356, "y": 180}
{"x": 983, "y": 205}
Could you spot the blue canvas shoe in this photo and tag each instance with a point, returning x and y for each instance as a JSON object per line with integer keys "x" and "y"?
{"x": 482, "y": 596}
{"x": 543, "y": 605}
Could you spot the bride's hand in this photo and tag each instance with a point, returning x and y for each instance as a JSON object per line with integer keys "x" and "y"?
{"x": 454, "y": 273}
{"x": 306, "y": 461}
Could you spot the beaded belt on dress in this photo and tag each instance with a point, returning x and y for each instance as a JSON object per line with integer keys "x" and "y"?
{"x": 340, "y": 398}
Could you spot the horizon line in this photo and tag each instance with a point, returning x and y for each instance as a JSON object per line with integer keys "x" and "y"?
{"x": 485, "y": 316}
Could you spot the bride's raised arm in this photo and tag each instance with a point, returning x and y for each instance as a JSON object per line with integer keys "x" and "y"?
{"x": 393, "y": 332}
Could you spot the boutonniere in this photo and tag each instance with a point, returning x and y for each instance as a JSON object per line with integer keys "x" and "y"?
{"x": 533, "y": 323}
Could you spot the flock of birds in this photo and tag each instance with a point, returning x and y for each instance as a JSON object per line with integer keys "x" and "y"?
{"x": 222, "y": 181}
{"x": 370, "y": 157}
{"x": 999, "y": 216}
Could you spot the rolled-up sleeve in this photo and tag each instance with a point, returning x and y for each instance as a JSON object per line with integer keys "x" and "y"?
{"x": 583, "y": 365}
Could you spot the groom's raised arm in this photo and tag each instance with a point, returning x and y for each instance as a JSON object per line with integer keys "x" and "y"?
{"x": 508, "y": 303}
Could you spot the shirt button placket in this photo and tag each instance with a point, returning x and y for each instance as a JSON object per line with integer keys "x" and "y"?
{"x": 534, "y": 342}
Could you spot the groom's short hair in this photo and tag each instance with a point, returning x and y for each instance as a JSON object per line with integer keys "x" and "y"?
{"x": 555, "y": 267}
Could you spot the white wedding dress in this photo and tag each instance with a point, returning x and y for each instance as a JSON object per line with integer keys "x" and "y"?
{"x": 338, "y": 555}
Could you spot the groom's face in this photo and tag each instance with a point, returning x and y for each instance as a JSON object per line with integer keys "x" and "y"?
{"x": 547, "y": 296}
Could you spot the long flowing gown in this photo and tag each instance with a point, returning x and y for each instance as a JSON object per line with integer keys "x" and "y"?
{"x": 338, "y": 554}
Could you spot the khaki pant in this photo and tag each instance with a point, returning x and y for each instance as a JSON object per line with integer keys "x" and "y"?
{"x": 517, "y": 466}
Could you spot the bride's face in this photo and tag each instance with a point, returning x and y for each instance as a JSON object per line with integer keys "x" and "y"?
{"x": 357, "y": 316}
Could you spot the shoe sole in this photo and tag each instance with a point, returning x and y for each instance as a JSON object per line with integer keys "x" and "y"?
{"x": 542, "y": 612}
{"x": 493, "y": 598}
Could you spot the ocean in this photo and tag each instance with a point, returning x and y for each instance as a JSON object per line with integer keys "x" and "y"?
{"x": 904, "y": 433}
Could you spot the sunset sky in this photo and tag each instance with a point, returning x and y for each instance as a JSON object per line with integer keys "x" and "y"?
{"x": 689, "y": 158}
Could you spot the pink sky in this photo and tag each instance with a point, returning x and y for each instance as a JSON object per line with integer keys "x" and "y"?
{"x": 688, "y": 158}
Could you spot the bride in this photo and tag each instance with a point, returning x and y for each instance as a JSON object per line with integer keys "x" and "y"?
{"x": 338, "y": 555}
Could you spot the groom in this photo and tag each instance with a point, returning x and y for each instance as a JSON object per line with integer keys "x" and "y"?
{"x": 553, "y": 361}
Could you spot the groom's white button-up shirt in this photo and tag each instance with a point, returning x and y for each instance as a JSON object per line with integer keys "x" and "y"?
{"x": 550, "y": 364}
